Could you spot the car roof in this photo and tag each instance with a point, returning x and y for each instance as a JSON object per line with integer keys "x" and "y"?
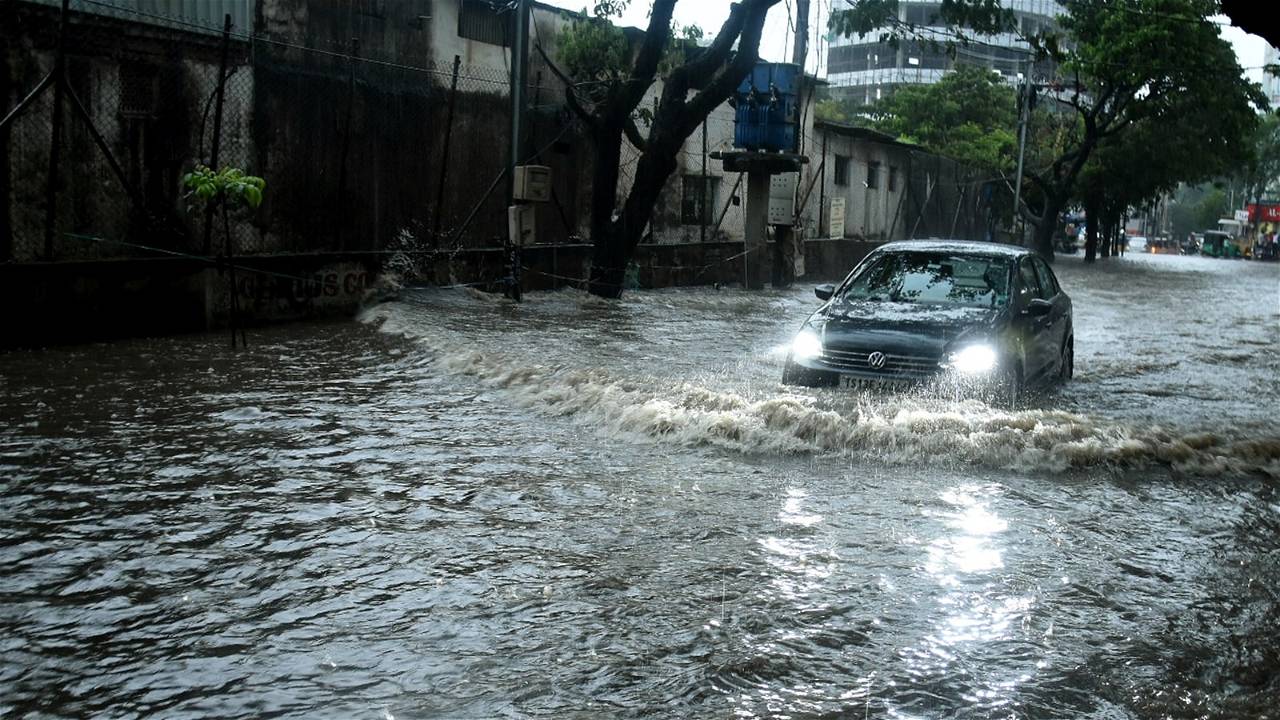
{"x": 970, "y": 247}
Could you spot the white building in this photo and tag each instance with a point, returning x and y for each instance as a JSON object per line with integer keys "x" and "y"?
{"x": 1271, "y": 83}
{"x": 863, "y": 69}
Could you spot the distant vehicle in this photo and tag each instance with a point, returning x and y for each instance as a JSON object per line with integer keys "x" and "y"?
{"x": 1219, "y": 244}
{"x": 976, "y": 315}
{"x": 1067, "y": 243}
{"x": 1162, "y": 245}
{"x": 1191, "y": 244}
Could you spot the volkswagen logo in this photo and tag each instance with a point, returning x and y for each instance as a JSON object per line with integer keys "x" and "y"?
{"x": 876, "y": 360}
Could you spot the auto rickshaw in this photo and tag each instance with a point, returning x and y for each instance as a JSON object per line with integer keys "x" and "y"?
{"x": 1219, "y": 244}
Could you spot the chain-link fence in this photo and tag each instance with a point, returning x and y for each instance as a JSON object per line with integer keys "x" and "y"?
{"x": 364, "y": 149}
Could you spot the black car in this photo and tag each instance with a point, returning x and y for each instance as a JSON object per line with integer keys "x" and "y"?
{"x": 974, "y": 314}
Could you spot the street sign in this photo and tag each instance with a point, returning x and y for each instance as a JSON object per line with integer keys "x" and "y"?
{"x": 836, "y": 223}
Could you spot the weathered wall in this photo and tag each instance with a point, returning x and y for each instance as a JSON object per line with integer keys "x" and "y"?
{"x": 146, "y": 90}
{"x": 357, "y": 149}
{"x": 927, "y": 195}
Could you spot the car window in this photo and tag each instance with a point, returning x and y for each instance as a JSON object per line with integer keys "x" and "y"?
{"x": 929, "y": 277}
{"x": 1029, "y": 287}
{"x": 1048, "y": 283}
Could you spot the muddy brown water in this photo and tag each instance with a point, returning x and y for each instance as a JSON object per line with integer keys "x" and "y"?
{"x": 459, "y": 507}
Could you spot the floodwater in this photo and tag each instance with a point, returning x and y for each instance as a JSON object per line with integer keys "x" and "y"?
{"x": 460, "y": 507}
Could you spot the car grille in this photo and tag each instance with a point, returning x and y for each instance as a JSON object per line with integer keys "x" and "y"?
{"x": 904, "y": 366}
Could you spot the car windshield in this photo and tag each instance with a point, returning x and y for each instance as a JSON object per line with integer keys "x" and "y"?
{"x": 936, "y": 278}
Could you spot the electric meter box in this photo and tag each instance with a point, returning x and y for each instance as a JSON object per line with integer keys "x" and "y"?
{"x": 532, "y": 183}
{"x": 782, "y": 198}
{"x": 521, "y": 226}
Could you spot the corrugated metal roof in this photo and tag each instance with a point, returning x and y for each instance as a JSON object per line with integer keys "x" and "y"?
{"x": 202, "y": 16}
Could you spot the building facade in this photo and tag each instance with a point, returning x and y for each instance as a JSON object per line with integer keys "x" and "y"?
{"x": 864, "y": 70}
{"x": 1271, "y": 83}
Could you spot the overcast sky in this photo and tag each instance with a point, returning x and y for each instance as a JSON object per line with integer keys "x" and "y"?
{"x": 777, "y": 42}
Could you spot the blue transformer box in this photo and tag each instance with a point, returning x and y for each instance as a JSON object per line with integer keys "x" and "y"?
{"x": 765, "y": 108}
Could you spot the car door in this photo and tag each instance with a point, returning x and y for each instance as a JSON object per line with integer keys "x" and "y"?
{"x": 1059, "y": 318}
{"x": 1033, "y": 330}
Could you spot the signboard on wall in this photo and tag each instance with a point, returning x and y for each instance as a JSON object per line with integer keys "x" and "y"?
{"x": 1270, "y": 213}
{"x": 836, "y": 223}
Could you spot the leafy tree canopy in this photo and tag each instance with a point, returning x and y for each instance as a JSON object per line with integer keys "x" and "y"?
{"x": 1156, "y": 70}
{"x": 970, "y": 115}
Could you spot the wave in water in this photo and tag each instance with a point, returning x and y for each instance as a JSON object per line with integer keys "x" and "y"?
{"x": 904, "y": 431}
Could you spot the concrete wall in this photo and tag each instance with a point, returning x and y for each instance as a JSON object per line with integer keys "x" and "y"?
{"x": 146, "y": 94}
{"x": 927, "y": 195}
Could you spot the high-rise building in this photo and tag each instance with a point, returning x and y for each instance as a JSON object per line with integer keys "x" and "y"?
{"x": 1271, "y": 83}
{"x": 863, "y": 69}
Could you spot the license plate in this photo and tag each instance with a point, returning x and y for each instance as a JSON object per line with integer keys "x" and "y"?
{"x": 849, "y": 381}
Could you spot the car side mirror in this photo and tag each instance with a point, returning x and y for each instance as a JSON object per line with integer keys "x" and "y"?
{"x": 824, "y": 292}
{"x": 1039, "y": 307}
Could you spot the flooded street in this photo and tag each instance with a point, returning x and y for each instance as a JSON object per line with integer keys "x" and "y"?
{"x": 459, "y": 507}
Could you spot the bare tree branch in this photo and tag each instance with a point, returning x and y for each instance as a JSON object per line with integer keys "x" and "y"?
{"x": 633, "y": 134}
{"x": 645, "y": 67}
{"x": 715, "y": 92}
{"x": 570, "y": 94}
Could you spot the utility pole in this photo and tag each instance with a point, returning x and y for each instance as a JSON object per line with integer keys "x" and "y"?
{"x": 801, "y": 51}
{"x": 1024, "y": 103}
{"x": 519, "y": 79}
{"x": 788, "y": 245}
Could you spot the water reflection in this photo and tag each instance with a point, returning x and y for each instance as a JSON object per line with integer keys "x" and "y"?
{"x": 974, "y": 616}
{"x": 971, "y": 547}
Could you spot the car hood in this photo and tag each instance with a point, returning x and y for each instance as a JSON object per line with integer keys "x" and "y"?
{"x": 901, "y": 328}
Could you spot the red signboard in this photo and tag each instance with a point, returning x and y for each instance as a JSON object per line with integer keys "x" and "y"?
{"x": 1270, "y": 213}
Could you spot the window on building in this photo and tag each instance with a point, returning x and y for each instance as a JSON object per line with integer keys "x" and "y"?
{"x": 696, "y": 208}
{"x": 893, "y": 178}
{"x": 923, "y": 14}
{"x": 477, "y": 20}
{"x": 138, "y": 90}
{"x": 371, "y": 8}
{"x": 873, "y": 175}
{"x": 840, "y": 173}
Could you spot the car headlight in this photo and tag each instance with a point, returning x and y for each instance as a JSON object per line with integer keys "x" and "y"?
{"x": 806, "y": 346}
{"x": 973, "y": 360}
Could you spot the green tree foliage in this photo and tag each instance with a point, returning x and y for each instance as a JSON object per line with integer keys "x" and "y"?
{"x": 607, "y": 77}
{"x": 1260, "y": 173}
{"x": 832, "y": 110}
{"x": 228, "y": 184}
{"x": 970, "y": 115}
{"x": 1196, "y": 208}
{"x": 1143, "y": 68}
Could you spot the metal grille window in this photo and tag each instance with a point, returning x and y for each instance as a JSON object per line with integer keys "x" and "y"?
{"x": 480, "y": 21}
{"x": 873, "y": 175}
{"x": 138, "y": 90}
{"x": 693, "y": 211}
{"x": 840, "y": 174}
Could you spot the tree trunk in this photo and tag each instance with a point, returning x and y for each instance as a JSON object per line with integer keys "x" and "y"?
{"x": 608, "y": 265}
{"x": 1104, "y": 226}
{"x": 1046, "y": 226}
{"x": 614, "y": 249}
{"x": 1092, "y": 215}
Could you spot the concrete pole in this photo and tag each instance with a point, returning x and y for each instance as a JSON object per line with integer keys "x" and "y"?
{"x": 1022, "y": 148}
{"x": 756, "y": 260}
{"x": 519, "y": 79}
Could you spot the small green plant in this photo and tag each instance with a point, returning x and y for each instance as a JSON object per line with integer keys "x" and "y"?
{"x": 228, "y": 184}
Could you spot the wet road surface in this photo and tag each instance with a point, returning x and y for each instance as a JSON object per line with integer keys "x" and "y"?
{"x": 460, "y": 507}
